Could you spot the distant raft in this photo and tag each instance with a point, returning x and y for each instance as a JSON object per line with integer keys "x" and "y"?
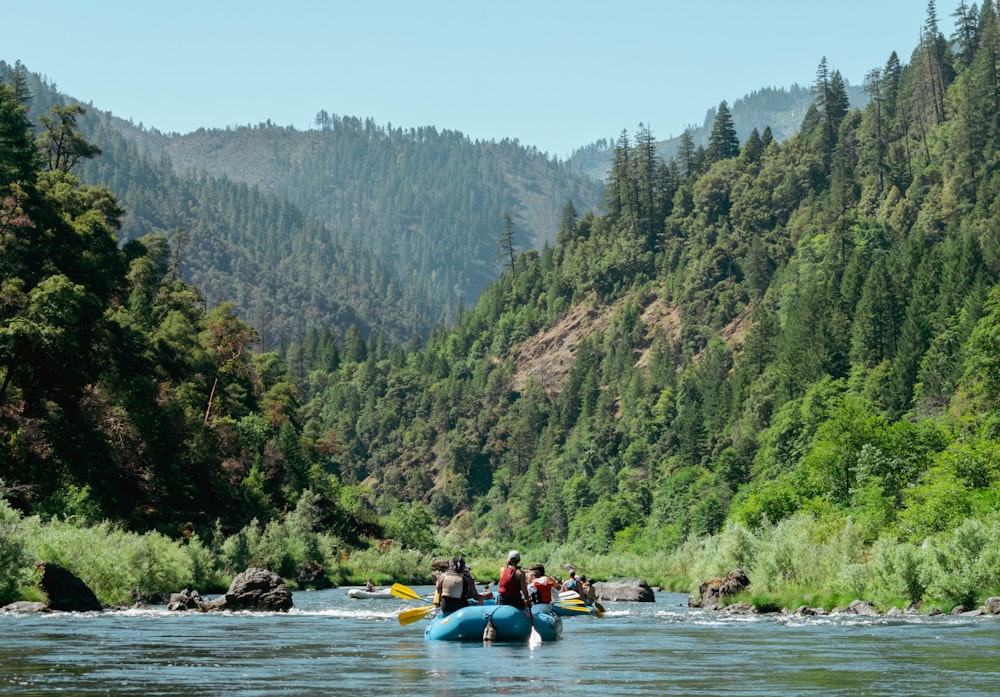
{"x": 362, "y": 594}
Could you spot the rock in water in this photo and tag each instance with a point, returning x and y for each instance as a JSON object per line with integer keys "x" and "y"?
{"x": 259, "y": 589}
{"x": 634, "y": 590}
{"x": 66, "y": 591}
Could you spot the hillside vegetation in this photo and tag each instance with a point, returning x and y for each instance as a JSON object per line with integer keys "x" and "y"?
{"x": 426, "y": 204}
{"x": 781, "y": 356}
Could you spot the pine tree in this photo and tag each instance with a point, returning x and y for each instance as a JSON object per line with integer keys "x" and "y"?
{"x": 723, "y": 143}
{"x": 507, "y": 250}
{"x": 685, "y": 153}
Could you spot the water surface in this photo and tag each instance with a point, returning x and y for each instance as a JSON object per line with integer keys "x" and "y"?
{"x": 331, "y": 645}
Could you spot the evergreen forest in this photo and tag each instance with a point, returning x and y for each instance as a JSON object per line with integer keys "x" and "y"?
{"x": 782, "y": 355}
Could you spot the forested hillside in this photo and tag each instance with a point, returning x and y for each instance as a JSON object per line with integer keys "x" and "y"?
{"x": 408, "y": 221}
{"x": 777, "y": 355}
{"x": 285, "y": 272}
{"x": 428, "y": 202}
{"x": 764, "y": 334}
{"x": 778, "y": 108}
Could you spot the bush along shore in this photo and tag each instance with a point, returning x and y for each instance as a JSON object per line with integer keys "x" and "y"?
{"x": 733, "y": 594}
{"x": 811, "y": 563}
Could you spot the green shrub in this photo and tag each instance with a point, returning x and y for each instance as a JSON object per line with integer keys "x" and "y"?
{"x": 964, "y": 566}
{"x": 112, "y": 561}
{"x": 395, "y": 563}
{"x": 15, "y": 559}
{"x": 896, "y": 569}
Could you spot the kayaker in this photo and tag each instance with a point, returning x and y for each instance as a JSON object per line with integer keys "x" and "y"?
{"x": 512, "y": 587}
{"x": 451, "y": 588}
{"x": 539, "y": 585}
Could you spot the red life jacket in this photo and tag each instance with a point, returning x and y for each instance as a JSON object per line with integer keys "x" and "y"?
{"x": 509, "y": 586}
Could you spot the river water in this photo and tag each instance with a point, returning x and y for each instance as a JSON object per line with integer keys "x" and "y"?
{"x": 333, "y": 645}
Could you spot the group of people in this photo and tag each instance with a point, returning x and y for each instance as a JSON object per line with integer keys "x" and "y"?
{"x": 456, "y": 587}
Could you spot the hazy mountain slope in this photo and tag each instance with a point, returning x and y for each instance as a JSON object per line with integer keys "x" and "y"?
{"x": 781, "y": 109}
{"x": 285, "y": 271}
{"x": 428, "y": 201}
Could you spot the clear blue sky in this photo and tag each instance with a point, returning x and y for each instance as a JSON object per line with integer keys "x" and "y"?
{"x": 554, "y": 74}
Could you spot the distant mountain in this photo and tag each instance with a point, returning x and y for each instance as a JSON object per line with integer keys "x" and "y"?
{"x": 427, "y": 202}
{"x": 349, "y": 223}
{"x": 386, "y": 228}
{"x": 782, "y": 109}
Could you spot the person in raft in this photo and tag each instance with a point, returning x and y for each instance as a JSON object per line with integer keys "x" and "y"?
{"x": 456, "y": 587}
{"x": 573, "y": 584}
{"x": 512, "y": 587}
{"x": 369, "y": 586}
{"x": 539, "y": 585}
{"x": 470, "y": 591}
{"x": 449, "y": 593}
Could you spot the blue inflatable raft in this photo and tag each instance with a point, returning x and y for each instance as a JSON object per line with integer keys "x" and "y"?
{"x": 512, "y": 625}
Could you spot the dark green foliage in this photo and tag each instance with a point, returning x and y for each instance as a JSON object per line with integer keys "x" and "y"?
{"x": 805, "y": 327}
{"x": 723, "y": 143}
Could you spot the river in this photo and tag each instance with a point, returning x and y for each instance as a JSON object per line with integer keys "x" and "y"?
{"x": 333, "y": 645}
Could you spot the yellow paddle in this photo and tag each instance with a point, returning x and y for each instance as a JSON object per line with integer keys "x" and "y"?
{"x": 416, "y": 614}
{"x": 404, "y": 592}
{"x": 572, "y": 606}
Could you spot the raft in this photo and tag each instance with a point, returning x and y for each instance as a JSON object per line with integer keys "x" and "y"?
{"x": 548, "y": 624}
{"x": 362, "y": 594}
{"x": 468, "y": 623}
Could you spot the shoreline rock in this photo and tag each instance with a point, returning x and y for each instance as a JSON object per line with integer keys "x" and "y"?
{"x": 66, "y": 591}
{"x": 712, "y": 592}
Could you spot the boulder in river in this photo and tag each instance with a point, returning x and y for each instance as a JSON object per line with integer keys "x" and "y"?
{"x": 65, "y": 590}
{"x": 861, "y": 607}
{"x": 806, "y": 611}
{"x": 634, "y": 590}
{"x": 712, "y": 591}
{"x": 25, "y": 607}
{"x": 992, "y": 606}
{"x": 254, "y": 589}
{"x": 185, "y": 600}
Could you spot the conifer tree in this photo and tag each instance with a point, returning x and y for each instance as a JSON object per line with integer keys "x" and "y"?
{"x": 723, "y": 143}
{"x": 685, "y": 153}
{"x": 507, "y": 251}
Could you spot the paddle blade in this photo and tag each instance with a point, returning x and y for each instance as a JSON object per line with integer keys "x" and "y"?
{"x": 404, "y": 592}
{"x": 600, "y": 608}
{"x": 535, "y": 639}
{"x": 416, "y": 614}
{"x": 571, "y": 606}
